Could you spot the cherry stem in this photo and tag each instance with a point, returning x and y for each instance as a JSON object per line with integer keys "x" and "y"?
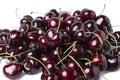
{"x": 36, "y": 13}
{"x": 96, "y": 36}
{"x": 103, "y": 9}
{"x": 73, "y": 46}
{"x": 17, "y": 54}
{"x": 41, "y": 64}
{"x": 103, "y": 76}
{"x": 89, "y": 52}
{"x": 59, "y": 20}
{"x": 116, "y": 26}
{"x": 60, "y": 58}
{"x": 16, "y": 13}
{"x": 78, "y": 66}
{"x": 89, "y": 62}
{"x": 70, "y": 47}
{"x": 108, "y": 33}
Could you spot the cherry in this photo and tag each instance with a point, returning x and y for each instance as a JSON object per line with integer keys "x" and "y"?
{"x": 103, "y": 22}
{"x": 99, "y": 60}
{"x": 37, "y": 23}
{"x": 53, "y": 22}
{"x": 64, "y": 15}
{"x": 91, "y": 25}
{"x": 76, "y": 26}
{"x": 55, "y": 12}
{"x": 117, "y": 36}
{"x": 48, "y": 16}
{"x": 3, "y": 48}
{"x": 28, "y": 17}
{"x": 77, "y": 13}
{"x": 4, "y": 37}
{"x": 88, "y": 14}
{"x": 67, "y": 74}
{"x": 72, "y": 65}
{"x": 94, "y": 43}
{"x": 113, "y": 62}
{"x": 45, "y": 57}
{"x": 32, "y": 37}
{"x": 80, "y": 35}
{"x": 53, "y": 38}
{"x": 24, "y": 28}
{"x": 69, "y": 20}
{"x": 16, "y": 37}
{"x": 12, "y": 70}
{"x": 92, "y": 72}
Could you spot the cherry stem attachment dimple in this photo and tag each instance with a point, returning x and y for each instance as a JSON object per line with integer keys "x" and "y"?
{"x": 41, "y": 64}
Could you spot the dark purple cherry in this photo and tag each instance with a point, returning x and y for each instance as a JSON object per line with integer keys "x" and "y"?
{"x": 76, "y": 13}
{"x": 12, "y": 70}
{"x": 113, "y": 62}
{"x": 3, "y": 48}
{"x": 87, "y": 14}
{"x": 27, "y": 67}
{"x": 4, "y": 37}
{"x": 32, "y": 37}
{"x": 28, "y": 17}
{"x": 91, "y": 25}
{"x": 25, "y": 21}
{"x": 101, "y": 34}
{"x": 99, "y": 60}
{"x": 24, "y": 28}
{"x": 45, "y": 57}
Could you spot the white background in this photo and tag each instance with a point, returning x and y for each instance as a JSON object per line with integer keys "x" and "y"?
{"x": 8, "y": 18}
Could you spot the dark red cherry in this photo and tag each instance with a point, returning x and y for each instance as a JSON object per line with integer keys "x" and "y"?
{"x": 77, "y": 51}
{"x": 117, "y": 35}
{"x": 24, "y": 28}
{"x": 92, "y": 72}
{"x": 79, "y": 18}
{"x": 103, "y": 22}
{"x": 91, "y": 25}
{"x": 113, "y": 62}
{"x": 80, "y": 35}
{"x": 76, "y": 26}
{"x": 94, "y": 43}
{"x": 64, "y": 15}
{"x": 55, "y": 12}
{"x": 16, "y": 37}
{"x": 4, "y": 37}
{"x": 53, "y": 38}
{"x": 72, "y": 65}
{"x": 53, "y": 22}
{"x": 37, "y": 23}
{"x": 48, "y": 16}
{"x": 52, "y": 67}
{"x": 45, "y": 57}
{"x": 3, "y": 48}
{"x": 27, "y": 67}
{"x": 28, "y": 17}
{"x": 32, "y": 37}
{"x": 99, "y": 60}
{"x": 87, "y": 14}
{"x": 77, "y": 13}
{"x": 70, "y": 20}
{"x": 42, "y": 42}
{"x": 12, "y": 70}
{"x": 25, "y": 21}
{"x": 67, "y": 74}
{"x": 115, "y": 52}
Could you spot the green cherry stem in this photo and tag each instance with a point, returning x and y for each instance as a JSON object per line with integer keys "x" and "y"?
{"x": 73, "y": 46}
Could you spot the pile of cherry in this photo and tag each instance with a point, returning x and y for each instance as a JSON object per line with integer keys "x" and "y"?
{"x": 63, "y": 46}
